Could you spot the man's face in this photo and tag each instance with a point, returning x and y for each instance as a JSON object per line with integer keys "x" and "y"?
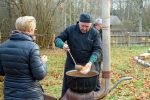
{"x": 84, "y": 27}
{"x": 98, "y": 26}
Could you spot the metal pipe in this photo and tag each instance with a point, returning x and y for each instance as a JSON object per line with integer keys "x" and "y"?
{"x": 119, "y": 81}
{"x": 102, "y": 93}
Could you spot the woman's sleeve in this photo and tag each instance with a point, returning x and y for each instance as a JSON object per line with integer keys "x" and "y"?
{"x": 38, "y": 67}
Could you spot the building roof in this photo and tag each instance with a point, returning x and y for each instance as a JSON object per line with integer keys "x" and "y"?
{"x": 114, "y": 20}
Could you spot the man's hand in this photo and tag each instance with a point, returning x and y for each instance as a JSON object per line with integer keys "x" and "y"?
{"x": 78, "y": 67}
{"x": 44, "y": 58}
{"x": 66, "y": 47}
{"x": 86, "y": 69}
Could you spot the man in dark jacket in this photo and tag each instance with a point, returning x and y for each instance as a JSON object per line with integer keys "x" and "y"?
{"x": 21, "y": 64}
{"x": 98, "y": 26}
{"x": 83, "y": 41}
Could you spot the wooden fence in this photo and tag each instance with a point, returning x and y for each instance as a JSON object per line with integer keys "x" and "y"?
{"x": 118, "y": 39}
{"x": 130, "y": 38}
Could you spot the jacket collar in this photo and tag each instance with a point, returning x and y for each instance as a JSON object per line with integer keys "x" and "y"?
{"x": 18, "y": 35}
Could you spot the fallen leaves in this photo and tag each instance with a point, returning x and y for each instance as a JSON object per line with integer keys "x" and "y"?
{"x": 136, "y": 89}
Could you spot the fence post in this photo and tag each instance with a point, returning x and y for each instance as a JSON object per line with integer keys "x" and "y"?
{"x": 52, "y": 41}
{"x": 128, "y": 39}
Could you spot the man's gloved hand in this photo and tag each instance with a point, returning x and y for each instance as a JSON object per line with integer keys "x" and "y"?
{"x": 86, "y": 68}
{"x": 66, "y": 47}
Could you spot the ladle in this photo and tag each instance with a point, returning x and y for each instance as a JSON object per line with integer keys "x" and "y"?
{"x": 78, "y": 67}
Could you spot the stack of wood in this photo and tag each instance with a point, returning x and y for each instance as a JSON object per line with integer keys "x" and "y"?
{"x": 144, "y": 56}
{"x": 141, "y": 57}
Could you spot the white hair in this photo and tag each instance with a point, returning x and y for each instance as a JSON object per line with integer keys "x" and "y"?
{"x": 25, "y": 23}
{"x": 98, "y": 21}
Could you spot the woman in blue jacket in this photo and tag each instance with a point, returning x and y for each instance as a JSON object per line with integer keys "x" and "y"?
{"x": 21, "y": 64}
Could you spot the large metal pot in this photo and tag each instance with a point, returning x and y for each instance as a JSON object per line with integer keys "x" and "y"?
{"x": 82, "y": 83}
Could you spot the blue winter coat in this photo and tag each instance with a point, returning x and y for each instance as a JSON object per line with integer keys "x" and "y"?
{"x": 22, "y": 67}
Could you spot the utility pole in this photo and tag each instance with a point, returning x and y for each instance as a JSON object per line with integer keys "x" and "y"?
{"x": 106, "y": 42}
{"x": 105, "y": 84}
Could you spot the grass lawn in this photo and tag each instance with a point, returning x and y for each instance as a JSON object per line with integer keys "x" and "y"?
{"x": 122, "y": 64}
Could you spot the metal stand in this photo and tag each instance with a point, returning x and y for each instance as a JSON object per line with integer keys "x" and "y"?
{"x": 70, "y": 95}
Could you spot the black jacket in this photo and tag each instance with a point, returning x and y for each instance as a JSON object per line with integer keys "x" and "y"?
{"x": 82, "y": 45}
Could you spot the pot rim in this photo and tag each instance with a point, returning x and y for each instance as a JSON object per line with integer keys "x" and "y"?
{"x": 88, "y": 75}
